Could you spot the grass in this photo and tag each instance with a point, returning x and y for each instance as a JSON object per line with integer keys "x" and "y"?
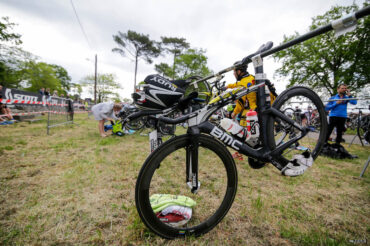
{"x": 75, "y": 188}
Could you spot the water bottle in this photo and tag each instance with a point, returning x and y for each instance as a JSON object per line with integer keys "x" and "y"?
{"x": 252, "y": 127}
{"x": 234, "y": 128}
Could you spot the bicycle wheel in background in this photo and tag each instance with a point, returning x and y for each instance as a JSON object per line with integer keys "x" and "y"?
{"x": 364, "y": 128}
{"x": 164, "y": 172}
{"x": 136, "y": 124}
{"x": 203, "y": 89}
{"x": 280, "y": 132}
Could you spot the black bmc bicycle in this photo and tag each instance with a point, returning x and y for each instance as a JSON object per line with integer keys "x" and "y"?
{"x": 198, "y": 164}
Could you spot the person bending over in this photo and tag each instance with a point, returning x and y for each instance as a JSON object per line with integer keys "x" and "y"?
{"x": 105, "y": 112}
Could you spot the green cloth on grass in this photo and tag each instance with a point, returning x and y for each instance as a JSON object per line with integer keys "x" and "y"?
{"x": 162, "y": 201}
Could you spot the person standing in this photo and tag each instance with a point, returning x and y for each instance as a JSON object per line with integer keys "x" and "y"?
{"x": 338, "y": 111}
{"x": 4, "y": 110}
{"x": 105, "y": 112}
{"x": 247, "y": 102}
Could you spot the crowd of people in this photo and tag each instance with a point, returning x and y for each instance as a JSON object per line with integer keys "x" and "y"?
{"x": 47, "y": 92}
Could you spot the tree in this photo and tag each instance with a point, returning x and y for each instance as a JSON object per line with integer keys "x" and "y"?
{"x": 12, "y": 64}
{"x": 324, "y": 62}
{"x": 37, "y": 75}
{"x": 105, "y": 87}
{"x": 174, "y": 46}
{"x": 165, "y": 70}
{"x": 5, "y": 31}
{"x": 137, "y": 46}
{"x": 75, "y": 90}
{"x": 9, "y": 56}
{"x": 63, "y": 76}
{"x": 192, "y": 62}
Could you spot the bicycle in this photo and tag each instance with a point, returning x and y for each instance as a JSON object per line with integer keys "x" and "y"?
{"x": 362, "y": 127}
{"x": 198, "y": 164}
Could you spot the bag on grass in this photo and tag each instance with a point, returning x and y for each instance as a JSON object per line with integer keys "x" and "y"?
{"x": 336, "y": 151}
{"x": 118, "y": 129}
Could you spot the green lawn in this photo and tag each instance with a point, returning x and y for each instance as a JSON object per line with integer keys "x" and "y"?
{"x": 75, "y": 188}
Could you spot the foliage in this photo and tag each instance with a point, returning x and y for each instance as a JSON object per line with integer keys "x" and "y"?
{"x": 137, "y": 46}
{"x": 174, "y": 46}
{"x": 63, "y": 76}
{"x": 105, "y": 87}
{"x": 5, "y": 31}
{"x": 324, "y": 62}
{"x": 12, "y": 63}
{"x": 37, "y": 75}
{"x": 164, "y": 69}
{"x": 76, "y": 90}
{"x": 10, "y": 57}
{"x": 192, "y": 62}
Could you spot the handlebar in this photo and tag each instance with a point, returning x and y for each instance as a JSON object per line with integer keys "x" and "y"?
{"x": 174, "y": 121}
{"x": 152, "y": 113}
{"x": 139, "y": 114}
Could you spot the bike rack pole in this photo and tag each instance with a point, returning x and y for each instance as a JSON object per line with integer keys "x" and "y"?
{"x": 353, "y": 139}
{"x": 365, "y": 166}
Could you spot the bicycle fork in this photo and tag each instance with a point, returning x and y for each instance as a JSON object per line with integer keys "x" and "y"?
{"x": 192, "y": 154}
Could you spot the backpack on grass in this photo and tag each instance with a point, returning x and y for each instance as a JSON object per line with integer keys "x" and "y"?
{"x": 336, "y": 151}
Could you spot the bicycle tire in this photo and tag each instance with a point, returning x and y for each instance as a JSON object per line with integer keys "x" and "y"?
{"x": 136, "y": 124}
{"x": 210, "y": 191}
{"x": 315, "y": 139}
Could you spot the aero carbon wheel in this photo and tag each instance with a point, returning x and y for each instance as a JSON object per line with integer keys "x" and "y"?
{"x": 281, "y": 131}
{"x": 164, "y": 172}
{"x": 136, "y": 124}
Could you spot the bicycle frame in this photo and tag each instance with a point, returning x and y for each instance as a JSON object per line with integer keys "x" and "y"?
{"x": 198, "y": 123}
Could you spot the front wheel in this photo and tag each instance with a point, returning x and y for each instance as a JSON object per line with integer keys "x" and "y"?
{"x": 303, "y": 100}
{"x": 164, "y": 174}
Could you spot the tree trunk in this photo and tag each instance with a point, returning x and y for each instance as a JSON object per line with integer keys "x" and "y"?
{"x": 334, "y": 92}
{"x": 173, "y": 66}
{"x": 136, "y": 60}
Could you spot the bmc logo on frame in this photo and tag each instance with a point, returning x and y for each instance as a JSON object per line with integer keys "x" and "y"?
{"x": 226, "y": 138}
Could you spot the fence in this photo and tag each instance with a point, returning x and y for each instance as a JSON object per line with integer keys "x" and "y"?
{"x": 60, "y": 111}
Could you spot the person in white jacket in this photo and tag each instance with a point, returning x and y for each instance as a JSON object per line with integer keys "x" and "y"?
{"x": 103, "y": 112}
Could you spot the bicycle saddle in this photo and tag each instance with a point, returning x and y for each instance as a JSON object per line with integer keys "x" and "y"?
{"x": 183, "y": 83}
{"x": 184, "y": 102}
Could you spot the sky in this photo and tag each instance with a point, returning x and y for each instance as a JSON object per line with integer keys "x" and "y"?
{"x": 227, "y": 29}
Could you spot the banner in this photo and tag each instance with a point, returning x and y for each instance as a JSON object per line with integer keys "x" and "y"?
{"x": 18, "y": 97}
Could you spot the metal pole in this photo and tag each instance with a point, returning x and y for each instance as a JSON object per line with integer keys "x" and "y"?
{"x": 48, "y": 124}
{"x": 365, "y": 166}
{"x": 96, "y": 76}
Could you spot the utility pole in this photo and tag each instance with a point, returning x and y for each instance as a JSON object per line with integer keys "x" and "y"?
{"x": 96, "y": 76}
